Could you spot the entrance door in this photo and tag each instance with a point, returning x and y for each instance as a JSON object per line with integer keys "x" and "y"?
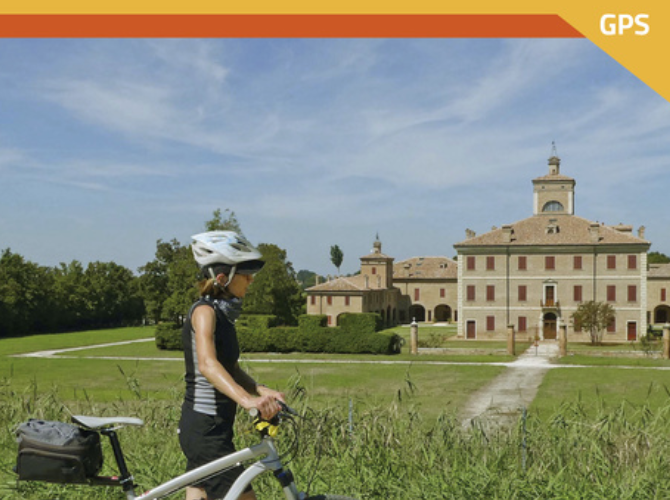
{"x": 632, "y": 331}
{"x": 549, "y": 326}
{"x": 470, "y": 330}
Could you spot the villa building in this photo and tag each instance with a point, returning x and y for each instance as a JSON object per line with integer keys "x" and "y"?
{"x": 531, "y": 274}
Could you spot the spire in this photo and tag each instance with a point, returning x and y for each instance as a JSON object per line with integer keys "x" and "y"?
{"x": 377, "y": 245}
{"x": 554, "y": 161}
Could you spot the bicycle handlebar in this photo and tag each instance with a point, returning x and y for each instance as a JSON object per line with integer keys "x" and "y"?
{"x": 255, "y": 414}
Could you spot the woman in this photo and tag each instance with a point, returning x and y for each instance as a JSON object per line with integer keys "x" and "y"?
{"x": 215, "y": 383}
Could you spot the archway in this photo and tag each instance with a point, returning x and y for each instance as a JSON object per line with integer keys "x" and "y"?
{"x": 549, "y": 327}
{"x": 442, "y": 313}
{"x": 662, "y": 314}
{"x": 417, "y": 312}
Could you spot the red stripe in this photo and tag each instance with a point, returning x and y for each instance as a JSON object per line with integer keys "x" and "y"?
{"x": 286, "y": 25}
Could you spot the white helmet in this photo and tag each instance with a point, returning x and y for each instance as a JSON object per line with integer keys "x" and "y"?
{"x": 226, "y": 248}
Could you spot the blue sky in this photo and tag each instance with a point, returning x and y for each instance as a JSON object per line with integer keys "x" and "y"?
{"x": 107, "y": 146}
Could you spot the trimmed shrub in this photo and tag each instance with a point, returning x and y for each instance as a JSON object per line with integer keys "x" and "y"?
{"x": 361, "y": 323}
{"x": 258, "y": 333}
{"x": 168, "y": 337}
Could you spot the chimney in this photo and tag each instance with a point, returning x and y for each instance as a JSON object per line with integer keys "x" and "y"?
{"x": 507, "y": 233}
{"x": 594, "y": 231}
{"x": 469, "y": 233}
{"x": 640, "y": 232}
{"x": 317, "y": 280}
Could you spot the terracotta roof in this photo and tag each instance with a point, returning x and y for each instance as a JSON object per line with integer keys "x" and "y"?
{"x": 568, "y": 230}
{"x": 426, "y": 268}
{"x": 659, "y": 271}
{"x": 348, "y": 284}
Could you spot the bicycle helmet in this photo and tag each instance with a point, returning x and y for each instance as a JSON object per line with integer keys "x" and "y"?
{"x": 226, "y": 250}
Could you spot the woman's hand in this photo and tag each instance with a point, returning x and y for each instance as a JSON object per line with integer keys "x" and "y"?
{"x": 263, "y": 390}
{"x": 266, "y": 404}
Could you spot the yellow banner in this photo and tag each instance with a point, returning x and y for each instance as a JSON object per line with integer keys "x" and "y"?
{"x": 636, "y": 34}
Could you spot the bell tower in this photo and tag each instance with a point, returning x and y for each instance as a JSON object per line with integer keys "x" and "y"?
{"x": 554, "y": 194}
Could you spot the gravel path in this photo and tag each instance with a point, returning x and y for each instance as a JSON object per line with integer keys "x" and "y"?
{"x": 500, "y": 402}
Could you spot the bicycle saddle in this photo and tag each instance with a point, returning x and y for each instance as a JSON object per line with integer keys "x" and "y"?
{"x": 97, "y": 423}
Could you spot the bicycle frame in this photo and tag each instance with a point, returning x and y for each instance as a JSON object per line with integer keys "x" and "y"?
{"x": 265, "y": 450}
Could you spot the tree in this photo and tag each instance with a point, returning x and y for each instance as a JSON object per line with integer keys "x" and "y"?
{"x": 26, "y": 304}
{"x": 336, "y": 257}
{"x": 182, "y": 276}
{"x": 153, "y": 282}
{"x": 657, "y": 258}
{"x": 594, "y": 317}
{"x": 113, "y": 295}
{"x": 275, "y": 289}
{"x": 307, "y": 278}
{"x": 218, "y": 223}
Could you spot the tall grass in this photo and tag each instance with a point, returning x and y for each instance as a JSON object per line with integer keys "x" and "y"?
{"x": 389, "y": 452}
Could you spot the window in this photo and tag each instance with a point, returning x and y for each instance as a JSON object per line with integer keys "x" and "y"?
{"x": 313, "y": 299}
{"x": 611, "y": 293}
{"x": 330, "y": 319}
{"x": 329, "y": 300}
{"x": 490, "y": 323}
{"x": 578, "y": 326}
{"x": 347, "y": 300}
{"x": 523, "y": 264}
{"x": 522, "y": 293}
{"x": 470, "y": 293}
{"x": 374, "y": 270}
{"x": 490, "y": 293}
{"x": 471, "y": 263}
{"x": 577, "y": 293}
{"x": 417, "y": 294}
{"x": 550, "y": 263}
{"x": 632, "y": 293}
{"x": 611, "y": 262}
{"x": 577, "y": 262}
{"x": 663, "y": 295}
{"x": 552, "y": 206}
{"x": 442, "y": 293}
{"x": 611, "y": 328}
{"x": 632, "y": 262}
{"x": 490, "y": 263}
{"x": 523, "y": 324}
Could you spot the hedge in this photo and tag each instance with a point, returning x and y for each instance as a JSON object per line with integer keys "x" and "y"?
{"x": 168, "y": 337}
{"x": 257, "y": 333}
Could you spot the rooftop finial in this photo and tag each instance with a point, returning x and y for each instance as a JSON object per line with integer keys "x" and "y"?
{"x": 554, "y": 161}
{"x": 377, "y": 245}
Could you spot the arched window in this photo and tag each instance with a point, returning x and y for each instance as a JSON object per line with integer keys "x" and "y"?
{"x": 553, "y": 206}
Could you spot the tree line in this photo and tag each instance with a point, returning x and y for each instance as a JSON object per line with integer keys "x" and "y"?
{"x": 41, "y": 299}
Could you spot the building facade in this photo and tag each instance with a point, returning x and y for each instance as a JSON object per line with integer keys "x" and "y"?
{"x": 531, "y": 275}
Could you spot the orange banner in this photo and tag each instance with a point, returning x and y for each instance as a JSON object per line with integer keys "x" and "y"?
{"x": 286, "y": 25}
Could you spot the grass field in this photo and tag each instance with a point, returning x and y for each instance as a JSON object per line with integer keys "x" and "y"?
{"x": 600, "y": 432}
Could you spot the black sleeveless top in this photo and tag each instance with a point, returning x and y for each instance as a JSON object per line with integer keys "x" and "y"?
{"x": 201, "y": 395}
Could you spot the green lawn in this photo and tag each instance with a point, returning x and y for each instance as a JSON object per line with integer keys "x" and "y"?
{"x": 78, "y": 379}
{"x": 597, "y": 387}
{"x": 613, "y": 361}
{"x": 30, "y": 343}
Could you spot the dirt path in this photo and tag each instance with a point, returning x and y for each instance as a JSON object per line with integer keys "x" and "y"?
{"x": 500, "y": 402}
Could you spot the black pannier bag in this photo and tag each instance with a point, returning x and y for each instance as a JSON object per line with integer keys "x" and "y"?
{"x": 56, "y": 452}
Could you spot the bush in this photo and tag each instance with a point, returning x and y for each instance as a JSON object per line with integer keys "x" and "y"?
{"x": 258, "y": 333}
{"x": 361, "y": 323}
{"x": 168, "y": 337}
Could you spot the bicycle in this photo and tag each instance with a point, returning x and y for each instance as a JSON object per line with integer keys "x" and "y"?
{"x": 265, "y": 451}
